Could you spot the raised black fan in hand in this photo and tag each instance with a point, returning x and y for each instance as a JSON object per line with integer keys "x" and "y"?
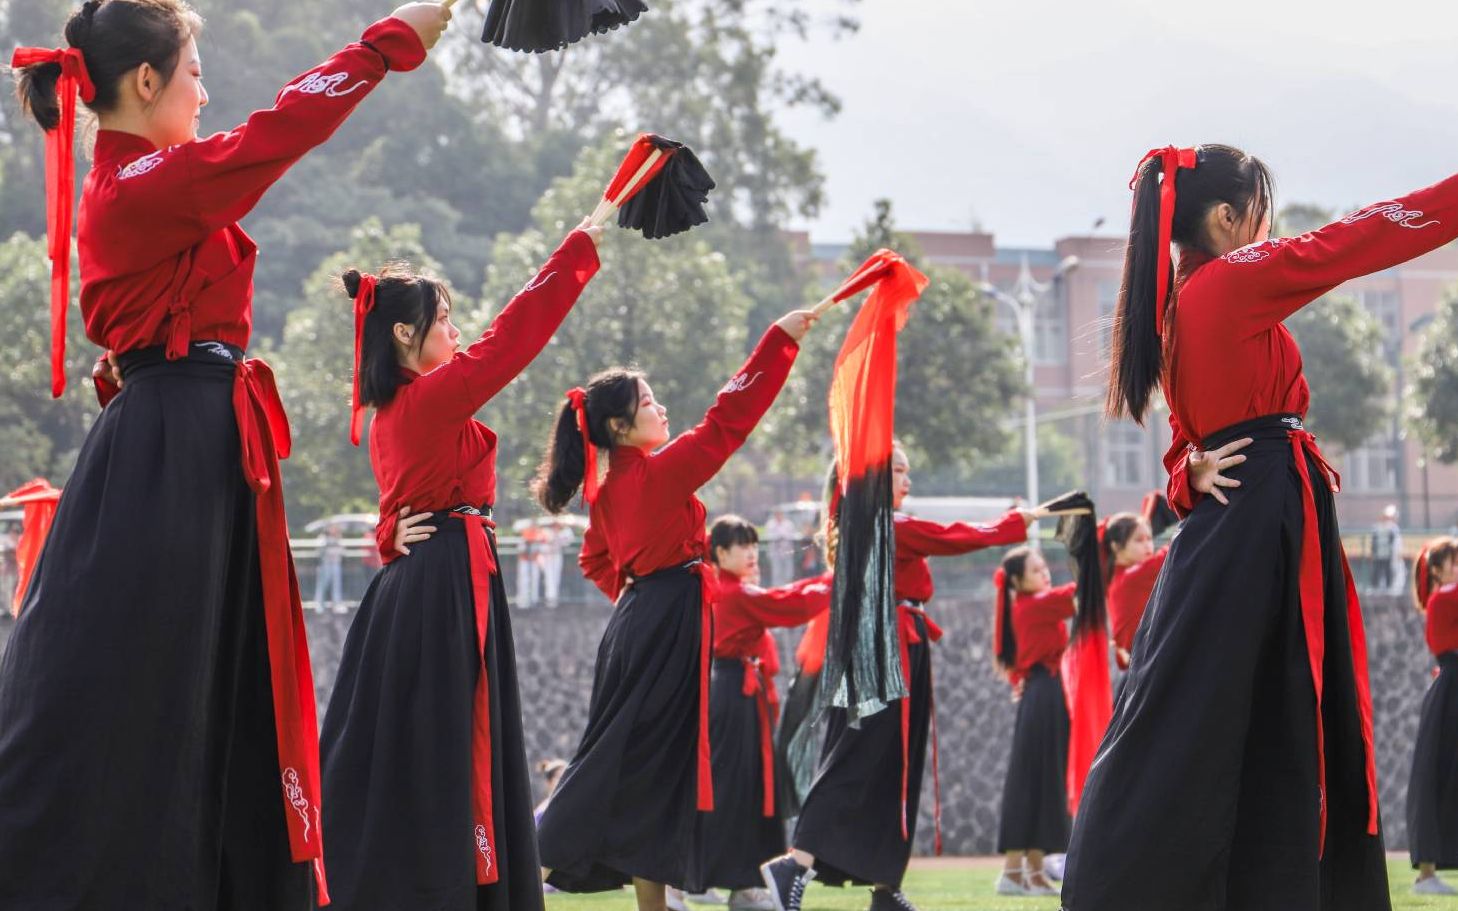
{"x": 659, "y": 189}
{"x": 549, "y": 25}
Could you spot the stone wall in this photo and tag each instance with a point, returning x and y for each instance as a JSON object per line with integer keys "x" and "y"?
{"x": 555, "y": 650}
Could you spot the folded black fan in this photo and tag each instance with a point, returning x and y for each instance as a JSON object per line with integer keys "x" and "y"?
{"x": 674, "y": 201}
{"x": 1075, "y": 502}
{"x": 1079, "y": 532}
{"x": 549, "y": 25}
{"x": 1158, "y": 513}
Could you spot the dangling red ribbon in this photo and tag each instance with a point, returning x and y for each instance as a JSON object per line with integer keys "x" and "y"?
{"x": 364, "y": 302}
{"x": 578, "y": 398}
{"x": 1420, "y": 578}
{"x": 1171, "y": 160}
{"x": 60, "y": 187}
{"x": 999, "y": 607}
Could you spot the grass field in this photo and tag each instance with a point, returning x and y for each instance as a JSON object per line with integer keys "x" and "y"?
{"x": 965, "y": 884}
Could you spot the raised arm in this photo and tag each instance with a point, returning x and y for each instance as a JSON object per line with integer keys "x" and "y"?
{"x": 214, "y": 181}
{"x": 517, "y": 334}
{"x": 1053, "y": 605}
{"x": 1265, "y": 283}
{"x": 694, "y": 457}
{"x": 933, "y": 539}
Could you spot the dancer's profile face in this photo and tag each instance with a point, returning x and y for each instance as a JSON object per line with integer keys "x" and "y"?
{"x": 1036, "y": 577}
{"x": 174, "y": 108}
{"x": 1446, "y": 573}
{"x": 650, "y": 425}
{"x": 900, "y": 477}
{"x": 1137, "y": 548}
{"x": 439, "y": 344}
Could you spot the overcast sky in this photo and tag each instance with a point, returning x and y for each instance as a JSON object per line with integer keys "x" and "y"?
{"x": 1028, "y": 116}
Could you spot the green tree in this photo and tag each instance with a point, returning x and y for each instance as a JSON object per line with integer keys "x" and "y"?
{"x": 672, "y": 307}
{"x": 38, "y": 435}
{"x": 1061, "y": 466}
{"x": 958, "y": 373}
{"x": 1345, "y": 363}
{"x": 1433, "y": 395}
{"x": 313, "y": 362}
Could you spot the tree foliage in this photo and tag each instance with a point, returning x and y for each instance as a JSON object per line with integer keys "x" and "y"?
{"x": 1434, "y": 393}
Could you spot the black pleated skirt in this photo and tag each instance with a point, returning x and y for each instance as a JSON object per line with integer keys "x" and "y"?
{"x": 138, "y": 756}
{"x": 1204, "y": 794}
{"x": 1432, "y": 791}
{"x": 396, "y": 745}
{"x": 797, "y": 746}
{"x": 627, "y": 804}
{"x": 851, "y": 820}
{"x": 1035, "y": 792}
{"x": 737, "y": 836}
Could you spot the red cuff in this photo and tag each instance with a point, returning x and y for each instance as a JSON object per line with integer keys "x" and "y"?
{"x": 1182, "y": 498}
{"x": 397, "y": 43}
{"x": 385, "y": 536}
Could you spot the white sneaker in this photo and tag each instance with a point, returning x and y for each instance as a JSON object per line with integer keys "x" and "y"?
{"x": 1053, "y": 865}
{"x": 706, "y": 897}
{"x": 751, "y": 900}
{"x": 1037, "y": 888}
{"x": 1006, "y": 885}
{"x": 673, "y": 899}
{"x": 1432, "y": 885}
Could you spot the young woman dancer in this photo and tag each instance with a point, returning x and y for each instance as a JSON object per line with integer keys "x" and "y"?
{"x": 1432, "y": 790}
{"x": 1030, "y": 632}
{"x": 747, "y": 824}
{"x": 859, "y": 817}
{"x": 1238, "y": 768}
{"x": 1131, "y": 566}
{"x": 425, "y": 764}
{"x": 633, "y": 802}
{"x": 158, "y": 746}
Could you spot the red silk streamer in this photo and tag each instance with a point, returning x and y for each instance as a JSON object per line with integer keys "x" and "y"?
{"x": 1089, "y": 695}
{"x": 1313, "y": 619}
{"x": 60, "y": 187}
{"x": 39, "y": 500}
{"x": 638, "y": 153}
{"x": 863, "y": 384}
{"x": 578, "y": 398}
{"x": 364, "y": 302}
{"x": 810, "y": 653}
{"x": 999, "y": 607}
{"x": 909, "y": 637}
{"x": 483, "y": 567}
{"x": 1420, "y": 578}
{"x": 263, "y": 432}
{"x": 708, "y": 586}
{"x": 1171, "y": 160}
{"x": 759, "y": 682}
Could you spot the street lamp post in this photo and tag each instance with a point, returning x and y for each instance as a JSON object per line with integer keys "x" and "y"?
{"x": 1023, "y": 302}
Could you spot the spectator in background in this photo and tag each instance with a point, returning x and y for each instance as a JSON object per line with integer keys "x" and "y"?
{"x": 9, "y": 568}
{"x": 1386, "y": 551}
{"x": 781, "y": 534}
{"x": 528, "y": 570}
{"x": 331, "y": 570}
{"x": 554, "y": 537}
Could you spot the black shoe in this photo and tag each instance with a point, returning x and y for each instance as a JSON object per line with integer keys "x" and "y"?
{"x": 889, "y": 900}
{"x": 786, "y": 881}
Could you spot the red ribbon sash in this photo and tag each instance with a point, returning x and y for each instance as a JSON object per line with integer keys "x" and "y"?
{"x": 759, "y": 683}
{"x": 708, "y": 585}
{"x": 909, "y": 637}
{"x": 483, "y": 567}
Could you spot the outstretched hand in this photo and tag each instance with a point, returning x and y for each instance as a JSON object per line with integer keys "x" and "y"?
{"x": 428, "y": 19}
{"x": 796, "y": 323}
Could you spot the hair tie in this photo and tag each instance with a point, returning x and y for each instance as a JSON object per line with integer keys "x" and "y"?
{"x": 364, "y": 302}
{"x": 577, "y": 398}
{"x": 1171, "y": 159}
{"x": 74, "y": 81}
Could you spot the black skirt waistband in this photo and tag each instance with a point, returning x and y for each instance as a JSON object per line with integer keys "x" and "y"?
{"x": 1448, "y": 660}
{"x": 668, "y": 572}
{"x": 442, "y": 518}
{"x": 1266, "y": 427}
{"x": 199, "y": 354}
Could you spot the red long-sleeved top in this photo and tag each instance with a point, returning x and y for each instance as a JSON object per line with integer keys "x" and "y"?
{"x": 646, "y": 516}
{"x": 1128, "y": 594}
{"x": 917, "y": 539}
{"x": 162, "y": 258}
{"x": 743, "y": 614}
{"x": 1442, "y": 620}
{"x": 1040, "y": 629}
{"x": 1230, "y": 359}
{"x": 426, "y": 449}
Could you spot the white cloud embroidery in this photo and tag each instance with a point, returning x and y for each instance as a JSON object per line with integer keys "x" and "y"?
{"x": 320, "y": 84}
{"x": 740, "y": 383}
{"x": 141, "y": 166}
{"x": 1393, "y": 212}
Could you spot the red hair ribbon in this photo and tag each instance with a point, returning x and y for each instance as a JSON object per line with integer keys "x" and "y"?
{"x": 1420, "y": 578}
{"x": 60, "y": 187}
{"x": 578, "y": 399}
{"x": 364, "y": 302}
{"x": 1171, "y": 160}
{"x": 999, "y": 582}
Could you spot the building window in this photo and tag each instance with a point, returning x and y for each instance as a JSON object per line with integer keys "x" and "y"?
{"x": 1384, "y": 305}
{"x": 1372, "y": 467}
{"x": 1126, "y": 456}
{"x": 1108, "y": 302}
{"x": 1050, "y": 330}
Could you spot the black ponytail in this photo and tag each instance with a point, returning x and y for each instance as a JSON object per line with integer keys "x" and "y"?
{"x": 1118, "y": 529}
{"x": 610, "y": 394}
{"x": 402, "y": 295}
{"x": 114, "y": 37}
{"x": 1010, "y": 572}
{"x": 1222, "y": 174}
